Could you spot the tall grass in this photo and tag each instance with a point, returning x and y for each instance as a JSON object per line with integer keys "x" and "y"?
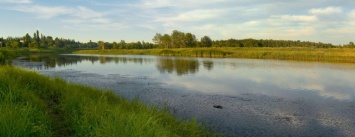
{"x": 6, "y": 54}
{"x": 22, "y": 112}
{"x": 283, "y": 53}
{"x": 35, "y": 105}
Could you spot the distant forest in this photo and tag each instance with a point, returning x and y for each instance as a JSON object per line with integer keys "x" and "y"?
{"x": 176, "y": 39}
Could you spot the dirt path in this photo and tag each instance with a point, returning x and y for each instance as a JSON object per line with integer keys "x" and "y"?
{"x": 60, "y": 127}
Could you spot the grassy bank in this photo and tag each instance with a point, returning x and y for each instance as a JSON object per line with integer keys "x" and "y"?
{"x": 285, "y": 53}
{"x": 6, "y": 54}
{"x": 35, "y": 105}
{"x": 50, "y": 51}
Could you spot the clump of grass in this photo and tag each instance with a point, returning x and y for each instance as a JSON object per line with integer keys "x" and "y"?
{"x": 36, "y": 105}
{"x": 7, "y": 54}
{"x": 96, "y": 113}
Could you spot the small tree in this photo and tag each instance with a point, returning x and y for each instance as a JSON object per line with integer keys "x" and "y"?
{"x": 122, "y": 45}
{"x": 206, "y": 41}
{"x": 115, "y": 45}
{"x": 351, "y": 45}
{"x": 190, "y": 40}
{"x": 101, "y": 45}
{"x": 33, "y": 44}
{"x": 15, "y": 44}
{"x": 157, "y": 38}
{"x": 166, "y": 41}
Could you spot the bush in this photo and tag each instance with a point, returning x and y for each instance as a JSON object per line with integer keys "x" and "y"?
{"x": 2, "y": 57}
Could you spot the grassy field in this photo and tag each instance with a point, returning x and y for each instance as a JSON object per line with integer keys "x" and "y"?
{"x": 39, "y": 106}
{"x": 284, "y": 53}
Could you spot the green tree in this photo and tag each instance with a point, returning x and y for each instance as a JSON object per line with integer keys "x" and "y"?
{"x": 33, "y": 44}
{"x": 206, "y": 41}
{"x": 115, "y": 45}
{"x": 157, "y": 39}
{"x": 43, "y": 46}
{"x": 50, "y": 41}
{"x": 8, "y": 43}
{"x": 2, "y": 42}
{"x": 122, "y": 44}
{"x": 101, "y": 45}
{"x": 178, "y": 39}
{"x": 139, "y": 45}
{"x": 166, "y": 41}
{"x": 15, "y": 44}
{"x": 27, "y": 40}
{"x": 351, "y": 45}
{"x": 37, "y": 37}
{"x": 190, "y": 40}
{"x": 108, "y": 45}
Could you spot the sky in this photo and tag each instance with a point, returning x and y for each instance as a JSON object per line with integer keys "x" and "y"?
{"x": 328, "y": 21}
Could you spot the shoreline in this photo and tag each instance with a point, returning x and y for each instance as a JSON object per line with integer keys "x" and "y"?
{"x": 245, "y": 114}
{"x": 335, "y": 55}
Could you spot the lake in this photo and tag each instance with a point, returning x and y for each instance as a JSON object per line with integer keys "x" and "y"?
{"x": 289, "y": 79}
{"x": 257, "y": 97}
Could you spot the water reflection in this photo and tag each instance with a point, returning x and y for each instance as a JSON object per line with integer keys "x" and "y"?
{"x": 221, "y": 76}
{"x": 207, "y": 64}
{"x": 69, "y": 60}
{"x": 180, "y": 66}
{"x": 164, "y": 65}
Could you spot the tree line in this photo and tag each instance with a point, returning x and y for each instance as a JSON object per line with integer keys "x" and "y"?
{"x": 38, "y": 41}
{"x": 123, "y": 45}
{"x": 176, "y": 39}
{"x": 269, "y": 43}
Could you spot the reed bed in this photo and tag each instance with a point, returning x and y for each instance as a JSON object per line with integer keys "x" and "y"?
{"x": 283, "y": 53}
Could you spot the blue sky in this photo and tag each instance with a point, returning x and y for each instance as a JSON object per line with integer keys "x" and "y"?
{"x": 330, "y": 21}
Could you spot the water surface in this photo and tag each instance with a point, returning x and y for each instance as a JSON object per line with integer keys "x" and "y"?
{"x": 286, "y": 79}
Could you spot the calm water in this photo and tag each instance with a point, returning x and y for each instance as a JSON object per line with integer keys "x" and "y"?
{"x": 289, "y": 79}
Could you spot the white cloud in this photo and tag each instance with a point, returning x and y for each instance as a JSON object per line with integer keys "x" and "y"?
{"x": 290, "y": 21}
{"x": 341, "y": 31}
{"x": 304, "y": 18}
{"x": 50, "y": 12}
{"x": 93, "y": 20}
{"x": 253, "y": 23}
{"x": 193, "y": 16}
{"x": 175, "y": 3}
{"x": 156, "y": 3}
{"x": 326, "y": 11}
{"x": 351, "y": 17}
{"x": 90, "y": 26}
{"x": 85, "y": 13}
{"x": 296, "y": 32}
{"x": 79, "y": 18}
{"x": 352, "y": 14}
{"x": 43, "y": 11}
{"x": 16, "y": 1}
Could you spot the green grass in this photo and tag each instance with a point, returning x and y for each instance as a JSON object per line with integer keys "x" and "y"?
{"x": 36, "y": 105}
{"x": 22, "y": 111}
{"x": 284, "y": 53}
{"x": 50, "y": 51}
{"x": 6, "y": 54}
